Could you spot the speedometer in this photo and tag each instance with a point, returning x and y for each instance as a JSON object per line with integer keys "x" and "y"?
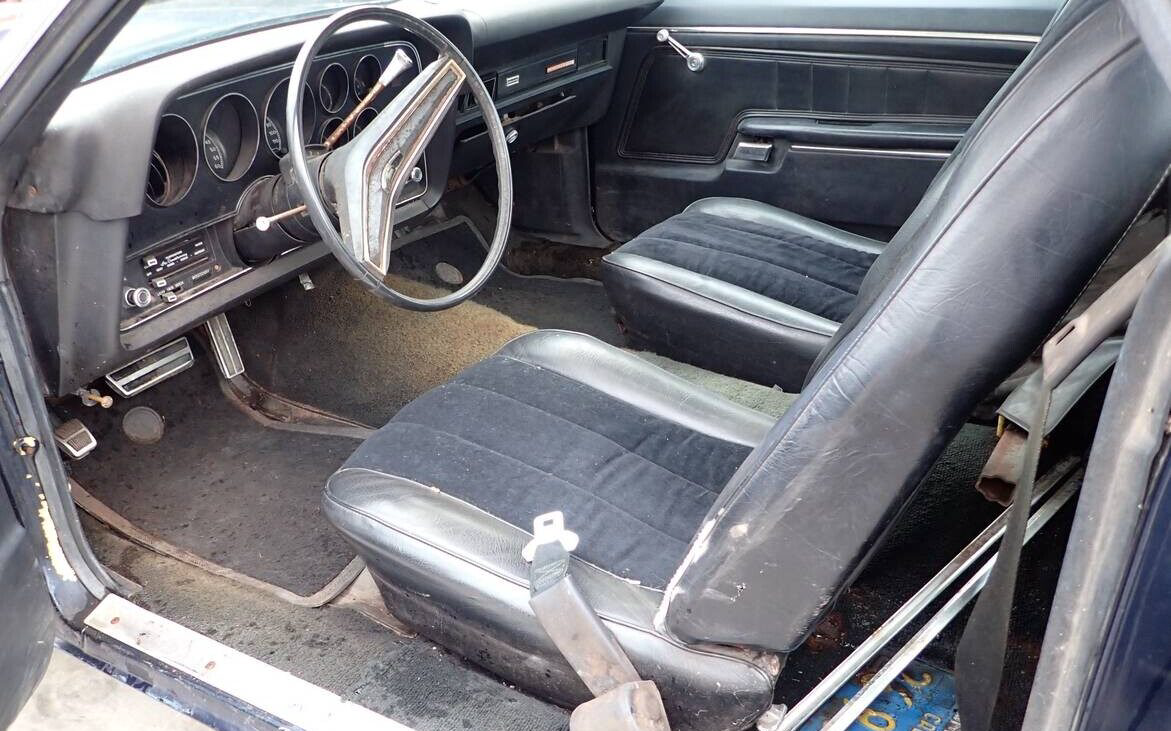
{"x": 230, "y": 137}
{"x": 274, "y": 117}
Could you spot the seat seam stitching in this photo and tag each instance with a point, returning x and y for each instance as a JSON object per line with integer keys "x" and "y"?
{"x": 598, "y": 434}
{"x": 770, "y": 264}
{"x": 717, "y": 223}
{"x": 727, "y": 229}
{"x": 477, "y": 509}
{"x": 725, "y": 303}
{"x": 534, "y": 468}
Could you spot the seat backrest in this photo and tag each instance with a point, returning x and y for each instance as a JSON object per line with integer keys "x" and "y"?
{"x": 1016, "y": 223}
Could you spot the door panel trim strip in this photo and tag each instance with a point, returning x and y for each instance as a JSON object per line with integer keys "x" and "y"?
{"x": 866, "y": 32}
{"x": 929, "y": 154}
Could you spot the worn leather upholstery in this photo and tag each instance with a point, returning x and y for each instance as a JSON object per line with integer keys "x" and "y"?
{"x": 633, "y": 455}
{"x": 739, "y": 287}
{"x": 1012, "y": 229}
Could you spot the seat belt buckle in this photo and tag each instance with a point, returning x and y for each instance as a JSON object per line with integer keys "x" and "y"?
{"x": 549, "y": 528}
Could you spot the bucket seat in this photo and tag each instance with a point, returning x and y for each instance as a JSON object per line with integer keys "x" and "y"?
{"x": 713, "y": 539}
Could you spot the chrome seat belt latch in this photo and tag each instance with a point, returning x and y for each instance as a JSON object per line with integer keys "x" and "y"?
{"x": 549, "y": 528}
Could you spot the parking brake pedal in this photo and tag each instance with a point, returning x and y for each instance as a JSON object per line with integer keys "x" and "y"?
{"x": 75, "y": 439}
{"x": 623, "y": 701}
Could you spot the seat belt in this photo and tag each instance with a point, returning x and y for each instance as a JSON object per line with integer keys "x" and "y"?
{"x": 622, "y": 700}
{"x": 981, "y": 652}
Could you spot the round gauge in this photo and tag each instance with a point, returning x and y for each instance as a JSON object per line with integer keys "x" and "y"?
{"x": 172, "y": 162}
{"x": 230, "y": 137}
{"x": 366, "y": 75}
{"x": 328, "y": 127}
{"x": 274, "y": 116}
{"x": 333, "y": 87}
{"x": 364, "y": 119}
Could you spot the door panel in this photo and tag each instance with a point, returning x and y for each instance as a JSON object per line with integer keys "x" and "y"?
{"x": 847, "y": 125}
{"x": 677, "y": 114}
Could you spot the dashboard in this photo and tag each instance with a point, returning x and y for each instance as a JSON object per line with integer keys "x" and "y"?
{"x": 214, "y": 144}
{"x": 131, "y": 222}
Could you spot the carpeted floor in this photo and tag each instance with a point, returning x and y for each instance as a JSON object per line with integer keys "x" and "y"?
{"x": 219, "y": 484}
{"x": 341, "y": 348}
{"x": 408, "y": 679}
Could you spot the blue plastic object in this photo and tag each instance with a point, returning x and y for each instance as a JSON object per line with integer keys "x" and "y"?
{"x": 923, "y": 698}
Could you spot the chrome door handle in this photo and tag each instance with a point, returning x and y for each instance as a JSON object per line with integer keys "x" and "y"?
{"x": 695, "y": 60}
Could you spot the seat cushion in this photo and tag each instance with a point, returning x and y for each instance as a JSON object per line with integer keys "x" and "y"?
{"x": 740, "y": 287}
{"x": 441, "y": 500}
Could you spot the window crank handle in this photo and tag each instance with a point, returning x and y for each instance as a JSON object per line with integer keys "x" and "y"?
{"x": 695, "y": 60}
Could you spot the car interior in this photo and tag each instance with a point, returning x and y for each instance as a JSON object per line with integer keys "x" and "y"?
{"x": 742, "y": 291}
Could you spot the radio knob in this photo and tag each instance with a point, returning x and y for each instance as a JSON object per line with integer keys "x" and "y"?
{"x": 137, "y": 297}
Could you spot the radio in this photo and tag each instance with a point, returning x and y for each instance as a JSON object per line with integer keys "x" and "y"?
{"x": 167, "y": 274}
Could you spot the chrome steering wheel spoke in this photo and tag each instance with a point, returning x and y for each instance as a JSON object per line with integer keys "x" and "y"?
{"x": 368, "y": 174}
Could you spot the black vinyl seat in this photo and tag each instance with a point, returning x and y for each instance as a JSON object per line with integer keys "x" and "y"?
{"x": 633, "y": 455}
{"x": 738, "y": 286}
{"x": 713, "y": 539}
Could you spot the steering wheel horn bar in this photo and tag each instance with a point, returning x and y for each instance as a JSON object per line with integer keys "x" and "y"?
{"x": 367, "y": 175}
{"x": 363, "y": 178}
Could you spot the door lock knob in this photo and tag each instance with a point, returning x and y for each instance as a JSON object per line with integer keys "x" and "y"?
{"x": 695, "y": 60}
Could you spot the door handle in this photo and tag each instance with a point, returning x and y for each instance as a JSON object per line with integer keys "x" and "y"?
{"x": 695, "y": 60}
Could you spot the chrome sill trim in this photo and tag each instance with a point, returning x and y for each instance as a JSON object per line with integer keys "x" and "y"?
{"x": 860, "y": 32}
{"x": 926, "y": 154}
{"x": 295, "y": 702}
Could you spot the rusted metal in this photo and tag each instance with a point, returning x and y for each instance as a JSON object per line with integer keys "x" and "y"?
{"x": 1002, "y": 470}
{"x": 26, "y": 446}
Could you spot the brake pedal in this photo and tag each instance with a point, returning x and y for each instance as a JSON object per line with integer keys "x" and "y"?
{"x": 75, "y": 439}
{"x": 154, "y": 367}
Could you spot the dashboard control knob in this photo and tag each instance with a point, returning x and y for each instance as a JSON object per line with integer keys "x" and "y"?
{"x": 137, "y": 297}
{"x": 511, "y": 135}
{"x": 417, "y": 175}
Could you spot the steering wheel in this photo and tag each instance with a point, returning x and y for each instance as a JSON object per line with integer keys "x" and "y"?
{"x": 359, "y": 183}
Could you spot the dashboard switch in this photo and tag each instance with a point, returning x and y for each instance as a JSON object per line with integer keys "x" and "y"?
{"x": 159, "y": 283}
{"x": 137, "y": 297}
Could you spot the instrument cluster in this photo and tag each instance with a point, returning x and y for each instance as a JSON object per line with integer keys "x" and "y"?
{"x": 214, "y": 142}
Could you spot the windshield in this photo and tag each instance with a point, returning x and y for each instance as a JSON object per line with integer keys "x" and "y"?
{"x": 163, "y": 26}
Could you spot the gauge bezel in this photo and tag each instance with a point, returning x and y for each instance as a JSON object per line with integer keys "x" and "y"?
{"x": 188, "y": 180}
{"x": 354, "y": 76}
{"x": 322, "y": 133}
{"x": 268, "y": 104}
{"x": 249, "y": 137}
{"x": 363, "y": 121}
{"x": 345, "y": 85}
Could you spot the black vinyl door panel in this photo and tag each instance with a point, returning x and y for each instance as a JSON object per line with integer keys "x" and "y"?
{"x": 840, "y": 122}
